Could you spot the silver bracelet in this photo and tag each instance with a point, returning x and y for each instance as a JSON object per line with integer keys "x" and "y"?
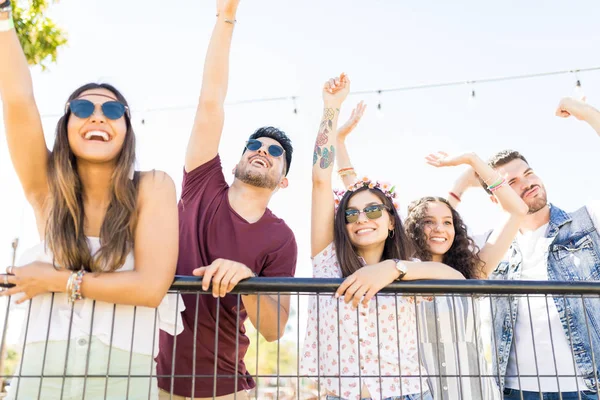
{"x": 228, "y": 20}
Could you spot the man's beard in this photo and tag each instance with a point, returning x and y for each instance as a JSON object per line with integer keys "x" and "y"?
{"x": 538, "y": 202}
{"x": 256, "y": 180}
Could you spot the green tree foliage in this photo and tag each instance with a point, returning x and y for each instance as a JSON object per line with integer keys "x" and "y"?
{"x": 40, "y": 37}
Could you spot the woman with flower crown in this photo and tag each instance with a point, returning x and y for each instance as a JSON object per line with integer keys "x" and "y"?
{"x": 454, "y": 358}
{"x": 356, "y": 348}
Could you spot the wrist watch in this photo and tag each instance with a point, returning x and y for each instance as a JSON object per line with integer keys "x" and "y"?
{"x": 401, "y": 267}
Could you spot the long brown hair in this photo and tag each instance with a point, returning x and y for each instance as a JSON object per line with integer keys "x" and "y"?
{"x": 65, "y": 226}
{"x": 463, "y": 254}
{"x": 397, "y": 245}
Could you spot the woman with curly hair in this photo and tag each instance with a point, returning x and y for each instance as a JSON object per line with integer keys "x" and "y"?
{"x": 451, "y": 348}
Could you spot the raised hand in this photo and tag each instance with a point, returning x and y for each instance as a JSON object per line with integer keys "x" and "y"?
{"x": 442, "y": 159}
{"x": 569, "y": 106}
{"x": 354, "y": 119}
{"x": 227, "y": 7}
{"x": 335, "y": 90}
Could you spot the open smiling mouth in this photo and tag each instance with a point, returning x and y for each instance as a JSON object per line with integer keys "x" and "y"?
{"x": 99, "y": 136}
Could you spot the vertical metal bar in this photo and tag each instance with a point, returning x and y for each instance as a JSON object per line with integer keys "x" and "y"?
{"x": 339, "y": 348}
{"x": 319, "y": 346}
{"x": 397, "y": 314}
{"x": 298, "y": 346}
{"x": 257, "y": 340}
{"x": 514, "y": 343}
{"x": 153, "y": 355}
{"x": 214, "y": 395}
{"x": 552, "y": 345}
{"x": 237, "y": 346}
{"x": 278, "y": 342}
{"x": 174, "y": 352}
{"x": 460, "y": 382}
{"x": 193, "y": 393}
{"x": 379, "y": 344}
{"x": 537, "y": 371}
{"x": 437, "y": 337}
{"x": 478, "y": 340}
{"x": 571, "y": 345}
{"x": 62, "y": 388}
{"x": 131, "y": 352}
{"x": 494, "y": 344}
{"x": 112, "y": 333}
{"x": 25, "y": 348}
{"x": 418, "y": 341}
{"x": 89, "y": 349}
{"x": 45, "y": 344}
{"x": 587, "y": 325}
{"x": 359, "y": 343}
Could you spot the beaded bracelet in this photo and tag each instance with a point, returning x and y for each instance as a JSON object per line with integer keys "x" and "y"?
{"x": 74, "y": 286}
{"x": 457, "y": 197}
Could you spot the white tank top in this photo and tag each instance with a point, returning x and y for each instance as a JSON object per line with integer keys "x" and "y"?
{"x": 50, "y": 314}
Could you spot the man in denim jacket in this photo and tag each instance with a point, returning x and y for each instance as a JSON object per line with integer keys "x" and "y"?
{"x": 539, "y": 338}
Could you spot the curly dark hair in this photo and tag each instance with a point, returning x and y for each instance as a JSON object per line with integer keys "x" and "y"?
{"x": 463, "y": 255}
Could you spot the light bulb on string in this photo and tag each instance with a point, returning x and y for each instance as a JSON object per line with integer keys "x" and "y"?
{"x": 295, "y": 105}
{"x": 472, "y": 98}
{"x": 578, "y": 91}
{"x": 379, "y": 107}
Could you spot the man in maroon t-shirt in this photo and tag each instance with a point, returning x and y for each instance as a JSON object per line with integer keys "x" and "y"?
{"x": 226, "y": 234}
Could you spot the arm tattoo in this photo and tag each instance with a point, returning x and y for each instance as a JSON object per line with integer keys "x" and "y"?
{"x": 327, "y": 155}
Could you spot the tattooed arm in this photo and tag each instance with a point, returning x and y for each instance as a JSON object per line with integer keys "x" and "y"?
{"x": 334, "y": 94}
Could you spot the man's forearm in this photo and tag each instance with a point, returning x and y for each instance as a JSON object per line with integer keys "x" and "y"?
{"x": 273, "y": 315}
{"x": 216, "y": 65}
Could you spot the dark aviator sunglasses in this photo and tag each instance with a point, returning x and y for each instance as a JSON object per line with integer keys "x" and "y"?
{"x": 82, "y": 108}
{"x": 274, "y": 150}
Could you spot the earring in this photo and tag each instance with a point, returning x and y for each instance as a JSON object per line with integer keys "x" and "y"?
{"x": 391, "y": 233}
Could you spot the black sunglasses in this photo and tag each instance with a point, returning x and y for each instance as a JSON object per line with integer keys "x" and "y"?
{"x": 274, "y": 150}
{"x": 82, "y": 108}
{"x": 372, "y": 212}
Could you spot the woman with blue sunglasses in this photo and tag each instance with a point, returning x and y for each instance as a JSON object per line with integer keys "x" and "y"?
{"x": 96, "y": 285}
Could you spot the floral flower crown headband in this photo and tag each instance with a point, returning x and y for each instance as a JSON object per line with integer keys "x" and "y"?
{"x": 386, "y": 188}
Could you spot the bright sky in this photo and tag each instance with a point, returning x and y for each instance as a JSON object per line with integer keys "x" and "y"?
{"x": 154, "y": 53}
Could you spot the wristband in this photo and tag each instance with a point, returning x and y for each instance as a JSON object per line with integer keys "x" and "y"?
{"x": 228, "y": 20}
{"x": 457, "y": 197}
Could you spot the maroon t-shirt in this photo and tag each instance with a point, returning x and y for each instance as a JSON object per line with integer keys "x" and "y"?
{"x": 209, "y": 229}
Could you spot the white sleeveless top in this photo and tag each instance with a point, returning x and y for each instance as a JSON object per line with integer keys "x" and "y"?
{"x": 50, "y": 319}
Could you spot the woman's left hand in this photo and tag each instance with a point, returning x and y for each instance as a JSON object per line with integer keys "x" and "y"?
{"x": 31, "y": 280}
{"x": 366, "y": 282}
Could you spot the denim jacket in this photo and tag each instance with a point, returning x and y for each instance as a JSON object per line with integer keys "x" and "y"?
{"x": 574, "y": 255}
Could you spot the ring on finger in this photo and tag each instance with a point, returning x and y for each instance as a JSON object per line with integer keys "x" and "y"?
{"x": 6, "y": 279}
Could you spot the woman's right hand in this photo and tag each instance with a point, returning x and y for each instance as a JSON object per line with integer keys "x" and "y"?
{"x": 443, "y": 159}
{"x": 354, "y": 119}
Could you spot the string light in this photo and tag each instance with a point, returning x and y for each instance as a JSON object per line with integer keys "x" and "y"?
{"x": 381, "y": 91}
{"x": 578, "y": 91}
{"x": 379, "y": 108}
{"x": 295, "y": 105}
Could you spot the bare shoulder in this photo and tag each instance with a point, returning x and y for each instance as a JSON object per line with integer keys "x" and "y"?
{"x": 156, "y": 184}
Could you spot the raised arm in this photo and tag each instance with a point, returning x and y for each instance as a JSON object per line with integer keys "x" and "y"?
{"x": 210, "y": 114}
{"x": 22, "y": 121}
{"x": 499, "y": 242}
{"x": 322, "y": 214}
{"x": 342, "y": 156}
{"x": 155, "y": 255}
{"x": 580, "y": 110}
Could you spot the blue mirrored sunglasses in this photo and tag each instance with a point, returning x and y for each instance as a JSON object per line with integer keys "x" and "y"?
{"x": 82, "y": 108}
{"x": 274, "y": 150}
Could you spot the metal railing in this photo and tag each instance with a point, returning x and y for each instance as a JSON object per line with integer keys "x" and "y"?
{"x": 461, "y": 368}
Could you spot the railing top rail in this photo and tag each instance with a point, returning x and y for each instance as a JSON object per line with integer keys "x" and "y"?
{"x": 471, "y": 286}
